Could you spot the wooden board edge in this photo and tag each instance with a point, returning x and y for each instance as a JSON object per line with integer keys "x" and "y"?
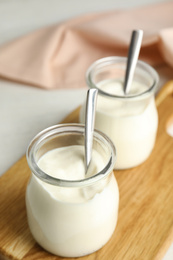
{"x": 165, "y": 91}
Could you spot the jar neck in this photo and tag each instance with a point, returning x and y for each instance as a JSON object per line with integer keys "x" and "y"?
{"x": 112, "y": 69}
{"x": 64, "y": 135}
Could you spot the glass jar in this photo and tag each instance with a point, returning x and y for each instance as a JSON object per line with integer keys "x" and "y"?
{"x": 131, "y": 120}
{"x": 71, "y": 218}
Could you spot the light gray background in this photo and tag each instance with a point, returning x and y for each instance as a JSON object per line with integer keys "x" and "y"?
{"x": 25, "y": 110}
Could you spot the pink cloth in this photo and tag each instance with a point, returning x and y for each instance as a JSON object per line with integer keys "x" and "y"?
{"x": 58, "y": 56}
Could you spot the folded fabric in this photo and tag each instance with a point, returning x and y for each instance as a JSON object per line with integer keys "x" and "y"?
{"x": 59, "y": 55}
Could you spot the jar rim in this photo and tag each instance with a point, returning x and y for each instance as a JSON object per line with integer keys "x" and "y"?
{"x": 73, "y": 128}
{"x": 111, "y": 60}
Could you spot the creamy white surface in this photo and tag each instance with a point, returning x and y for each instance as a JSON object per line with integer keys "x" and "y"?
{"x": 131, "y": 125}
{"x": 71, "y": 222}
{"x": 118, "y": 107}
{"x": 58, "y": 162}
{"x": 67, "y": 163}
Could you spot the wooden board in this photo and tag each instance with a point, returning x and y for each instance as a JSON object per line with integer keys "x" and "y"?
{"x": 145, "y": 224}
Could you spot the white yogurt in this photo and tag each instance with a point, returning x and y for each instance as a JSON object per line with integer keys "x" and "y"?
{"x": 71, "y": 222}
{"x": 131, "y": 124}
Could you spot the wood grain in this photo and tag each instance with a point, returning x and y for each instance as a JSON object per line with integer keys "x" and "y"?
{"x": 145, "y": 224}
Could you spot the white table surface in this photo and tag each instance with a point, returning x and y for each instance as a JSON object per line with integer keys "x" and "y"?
{"x": 25, "y": 110}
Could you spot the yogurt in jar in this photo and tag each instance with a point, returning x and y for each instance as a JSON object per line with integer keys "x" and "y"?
{"x": 130, "y": 123}
{"x": 72, "y": 221}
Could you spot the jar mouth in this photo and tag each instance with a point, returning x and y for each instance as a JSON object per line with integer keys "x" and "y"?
{"x": 104, "y": 62}
{"x": 52, "y": 131}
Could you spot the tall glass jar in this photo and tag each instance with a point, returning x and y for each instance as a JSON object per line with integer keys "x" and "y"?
{"x": 131, "y": 120}
{"x": 71, "y": 218}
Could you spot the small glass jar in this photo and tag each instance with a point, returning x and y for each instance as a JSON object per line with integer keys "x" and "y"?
{"x": 81, "y": 218}
{"x": 131, "y": 120}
